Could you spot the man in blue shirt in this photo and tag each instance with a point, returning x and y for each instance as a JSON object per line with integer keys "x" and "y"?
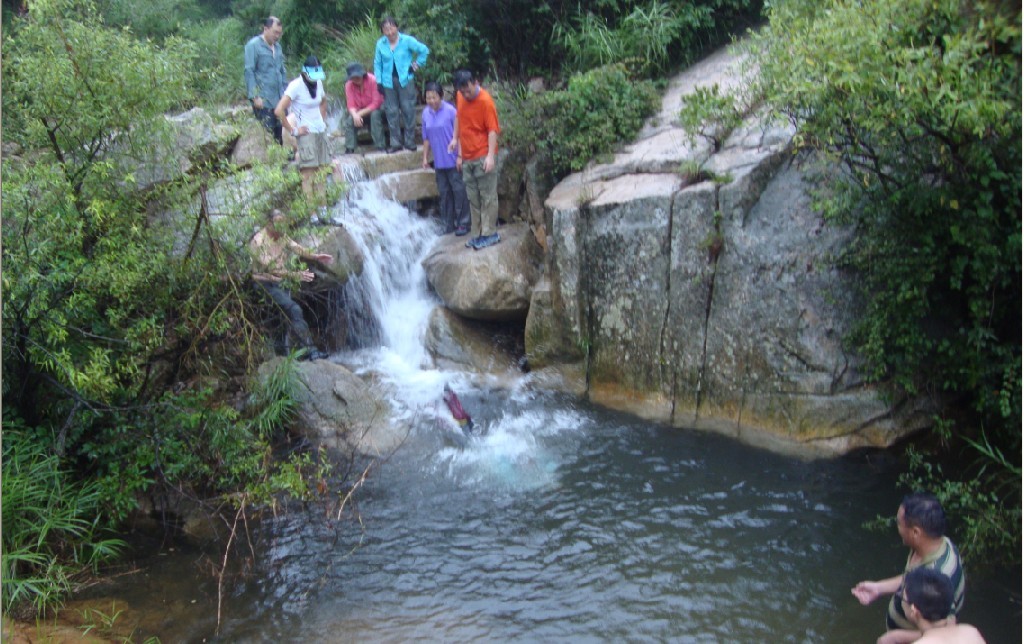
{"x": 264, "y": 74}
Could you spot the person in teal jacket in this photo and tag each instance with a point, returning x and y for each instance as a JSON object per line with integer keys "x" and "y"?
{"x": 397, "y": 57}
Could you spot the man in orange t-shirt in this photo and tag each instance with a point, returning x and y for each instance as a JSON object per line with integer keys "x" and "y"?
{"x": 477, "y": 132}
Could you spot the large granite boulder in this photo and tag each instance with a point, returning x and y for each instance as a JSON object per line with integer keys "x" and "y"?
{"x": 490, "y": 284}
{"x": 193, "y": 138}
{"x": 409, "y": 185}
{"x": 698, "y": 285}
{"x": 455, "y": 343}
{"x": 341, "y": 412}
{"x": 253, "y": 142}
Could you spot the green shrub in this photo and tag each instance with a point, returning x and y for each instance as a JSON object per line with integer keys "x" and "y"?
{"x": 597, "y": 111}
{"x": 710, "y": 114}
{"x": 924, "y": 120}
{"x": 119, "y": 324}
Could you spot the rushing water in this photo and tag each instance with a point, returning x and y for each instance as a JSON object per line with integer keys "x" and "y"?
{"x": 563, "y": 522}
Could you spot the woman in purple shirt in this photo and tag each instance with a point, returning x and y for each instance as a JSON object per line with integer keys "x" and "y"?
{"x": 439, "y": 135}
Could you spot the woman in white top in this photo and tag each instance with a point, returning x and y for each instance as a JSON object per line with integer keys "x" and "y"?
{"x": 308, "y": 124}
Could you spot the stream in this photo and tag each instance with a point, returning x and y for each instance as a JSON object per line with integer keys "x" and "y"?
{"x": 562, "y": 522}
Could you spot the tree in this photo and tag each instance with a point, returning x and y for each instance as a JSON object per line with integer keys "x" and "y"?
{"x": 79, "y": 264}
{"x": 101, "y": 317}
{"x": 919, "y": 102}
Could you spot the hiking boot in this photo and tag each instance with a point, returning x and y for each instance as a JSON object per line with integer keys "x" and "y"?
{"x": 489, "y": 240}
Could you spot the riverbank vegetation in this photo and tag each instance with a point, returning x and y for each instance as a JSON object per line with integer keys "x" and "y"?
{"x": 920, "y": 103}
{"x": 129, "y": 345}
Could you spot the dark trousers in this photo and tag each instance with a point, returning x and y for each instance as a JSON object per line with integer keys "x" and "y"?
{"x": 284, "y": 301}
{"x": 266, "y": 116}
{"x": 400, "y": 108}
{"x": 453, "y": 200}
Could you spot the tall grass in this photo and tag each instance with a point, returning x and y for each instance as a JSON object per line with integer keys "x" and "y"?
{"x": 51, "y": 526}
{"x": 354, "y": 46}
{"x": 649, "y": 32}
{"x": 589, "y": 43}
{"x": 217, "y": 48}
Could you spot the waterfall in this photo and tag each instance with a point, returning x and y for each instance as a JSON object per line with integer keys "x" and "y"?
{"x": 388, "y": 306}
{"x": 387, "y": 309}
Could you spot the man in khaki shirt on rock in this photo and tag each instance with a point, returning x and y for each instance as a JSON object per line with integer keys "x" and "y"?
{"x": 270, "y": 248}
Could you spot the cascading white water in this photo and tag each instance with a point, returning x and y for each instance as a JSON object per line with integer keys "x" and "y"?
{"x": 389, "y": 304}
{"x": 387, "y": 310}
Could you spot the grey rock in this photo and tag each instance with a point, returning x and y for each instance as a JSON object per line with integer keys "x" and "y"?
{"x": 455, "y": 343}
{"x": 491, "y": 284}
{"x": 700, "y": 288}
{"x": 341, "y": 412}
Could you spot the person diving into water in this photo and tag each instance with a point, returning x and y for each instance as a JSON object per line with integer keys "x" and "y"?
{"x": 458, "y": 413}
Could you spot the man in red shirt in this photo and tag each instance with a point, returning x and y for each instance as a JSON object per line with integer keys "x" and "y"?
{"x": 364, "y": 102}
{"x": 477, "y": 132}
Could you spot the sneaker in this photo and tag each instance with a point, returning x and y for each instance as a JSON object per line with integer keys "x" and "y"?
{"x": 489, "y": 240}
{"x": 350, "y": 150}
{"x": 472, "y": 243}
{"x": 393, "y": 150}
{"x": 410, "y": 148}
{"x": 461, "y": 230}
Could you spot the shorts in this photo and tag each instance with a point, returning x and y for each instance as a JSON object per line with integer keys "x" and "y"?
{"x": 313, "y": 151}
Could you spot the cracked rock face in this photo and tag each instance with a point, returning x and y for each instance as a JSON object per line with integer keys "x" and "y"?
{"x": 707, "y": 298}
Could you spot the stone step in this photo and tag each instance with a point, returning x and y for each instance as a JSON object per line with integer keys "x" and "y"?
{"x": 410, "y": 185}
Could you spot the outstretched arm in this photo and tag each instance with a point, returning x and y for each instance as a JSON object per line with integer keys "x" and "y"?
{"x": 309, "y": 255}
{"x": 868, "y": 591}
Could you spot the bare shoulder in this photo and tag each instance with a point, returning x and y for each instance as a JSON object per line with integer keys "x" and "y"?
{"x": 970, "y": 635}
{"x": 961, "y": 634}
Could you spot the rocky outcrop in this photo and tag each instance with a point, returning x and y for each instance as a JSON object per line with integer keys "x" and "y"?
{"x": 493, "y": 284}
{"x": 698, "y": 286}
{"x": 457, "y": 344}
{"x": 341, "y": 412}
{"x": 193, "y": 138}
